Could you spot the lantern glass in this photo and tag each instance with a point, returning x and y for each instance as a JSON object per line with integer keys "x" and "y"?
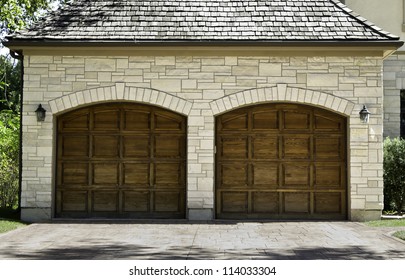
{"x": 41, "y": 113}
{"x": 364, "y": 114}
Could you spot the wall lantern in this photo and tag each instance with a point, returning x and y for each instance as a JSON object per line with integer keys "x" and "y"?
{"x": 41, "y": 113}
{"x": 364, "y": 114}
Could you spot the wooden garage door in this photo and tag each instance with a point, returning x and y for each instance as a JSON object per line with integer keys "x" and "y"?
{"x": 281, "y": 161}
{"x": 121, "y": 160}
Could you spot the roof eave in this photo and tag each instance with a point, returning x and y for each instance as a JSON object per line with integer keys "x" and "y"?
{"x": 386, "y": 47}
{"x": 296, "y": 43}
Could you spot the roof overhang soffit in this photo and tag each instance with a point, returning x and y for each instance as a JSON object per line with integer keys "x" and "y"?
{"x": 316, "y": 48}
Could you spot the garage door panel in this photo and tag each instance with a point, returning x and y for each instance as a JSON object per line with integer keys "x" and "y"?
{"x": 74, "y": 201}
{"x": 265, "y": 202}
{"x": 265, "y": 175}
{"x": 329, "y": 147}
{"x": 74, "y": 173}
{"x": 105, "y": 174}
{"x": 74, "y": 146}
{"x": 106, "y": 120}
{"x": 296, "y": 120}
{"x": 106, "y": 146}
{"x": 166, "y": 201}
{"x": 164, "y": 122}
{"x": 136, "y": 120}
{"x": 136, "y": 146}
{"x": 76, "y": 122}
{"x": 290, "y": 164}
{"x": 296, "y": 203}
{"x": 327, "y": 122}
{"x": 234, "y": 148}
{"x": 234, "y": 122}
{"x": 265, "y": 147}
{"x": 105, "y": 201}
{"x": 136, "y": 174}
{"x": 329, "y": 175}
{"x": 297, "y": 147}
{"x": 296, "y": 175}
{"x": 328, "y": 203}
{"x": 265, "y": 120}
{"x": 234, "y": 175}
{"x": 168, "y": 174}
{"x": 169, "y": 146}
{"x": 234, "y": 202}
{"x": 136, "y": 201}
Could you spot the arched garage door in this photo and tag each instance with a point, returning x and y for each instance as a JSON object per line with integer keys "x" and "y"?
{"x": 281, "y": 161}
{"x": 121, "y": 161}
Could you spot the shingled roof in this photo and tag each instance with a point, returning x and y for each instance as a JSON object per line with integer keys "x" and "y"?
{"x": 203, "y": 21}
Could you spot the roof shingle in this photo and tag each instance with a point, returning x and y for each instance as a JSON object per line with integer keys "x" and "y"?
{"x": 204, "y": 20}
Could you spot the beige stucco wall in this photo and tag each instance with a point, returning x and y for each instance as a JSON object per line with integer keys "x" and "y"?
{"x": 202, "y": 87}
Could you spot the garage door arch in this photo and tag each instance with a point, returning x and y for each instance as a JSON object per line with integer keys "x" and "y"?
{"x": 281, "y": 160}
{"x": 284, "y": 93}
{"x": 121, "y": 160}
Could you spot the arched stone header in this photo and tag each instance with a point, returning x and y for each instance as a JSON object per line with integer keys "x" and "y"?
{"x": 120, "y": 92}
{"x": 282, "y": 93}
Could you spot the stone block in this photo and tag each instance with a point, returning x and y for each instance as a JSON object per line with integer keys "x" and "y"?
{"x": 40, "y": 59}
{"x": 270, "y": 69}
{"x": 245, "y": 70}
{"x": 360, "y": 215}
{"x": 165, "y": 60}
{"x": 205, "y": 184}
{"x": 213, "y": 61}
{"x": 167, "y": 85}
{"x": 322, "y": 80}
{"x": 194, "y": 168}
{"x": 200, "y": 214}
{"x": 231, "y": 60}
{"x": 189, "y": 84}
{"x": 367, "y": 92}
{"x": 100, "y": 64}
{"x": 36, "y": 214}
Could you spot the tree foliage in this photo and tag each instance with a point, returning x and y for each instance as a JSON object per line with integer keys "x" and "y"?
{"x": 9, "y": 154}
{"x": 16, "y": 14}
{"x": 394, "y": 174}
{"x": 10, "y": 92}
{"x": 10, "y": 84}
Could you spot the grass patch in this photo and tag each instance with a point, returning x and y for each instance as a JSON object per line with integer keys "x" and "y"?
{"x": 400, "y": 234}
{"x": 387, "y": 223}
{"x": 7, "y": 225}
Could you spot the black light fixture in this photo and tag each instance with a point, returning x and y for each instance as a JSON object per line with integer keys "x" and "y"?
{"x": 41, "y": 113}
{"x": 364, "y": 114}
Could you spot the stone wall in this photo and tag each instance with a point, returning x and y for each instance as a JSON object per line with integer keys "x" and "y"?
{"x": 394, "y": 82}
{"x": 201, "y": 87}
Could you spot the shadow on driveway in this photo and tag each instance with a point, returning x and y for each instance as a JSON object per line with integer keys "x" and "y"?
{"x": 179, "y": 240}
{"x": 124, "y": 252}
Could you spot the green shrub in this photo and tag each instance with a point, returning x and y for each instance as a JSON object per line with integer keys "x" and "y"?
{"x": 394, "y": 174}
{"x": 10, "y": 92}
{"x": 9, "y": 159}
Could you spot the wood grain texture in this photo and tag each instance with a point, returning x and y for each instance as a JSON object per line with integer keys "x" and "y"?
{"x": 281, "y": 161}
{"x": 121, "y": 160}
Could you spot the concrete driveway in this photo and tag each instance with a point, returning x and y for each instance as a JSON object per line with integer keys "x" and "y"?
{"x": 187, "y": 240}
